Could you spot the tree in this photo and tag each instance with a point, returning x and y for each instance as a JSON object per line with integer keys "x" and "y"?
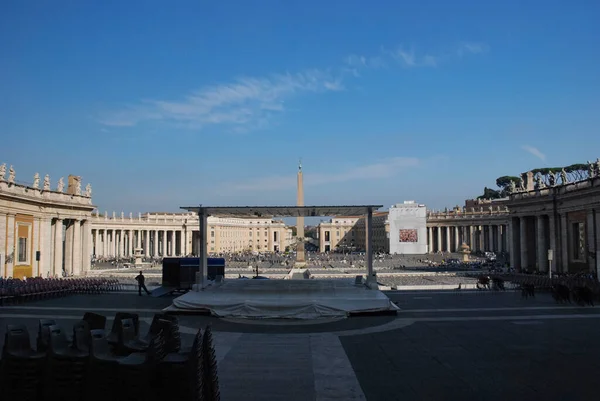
{"x": 489, "y": 193}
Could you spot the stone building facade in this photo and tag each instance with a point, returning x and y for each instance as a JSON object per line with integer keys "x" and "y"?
{"x": 347, "y": 234}
{"x": 177, "y": 234}
{"x": 483, "y": 226}
{"x": 44, "y": 231}
{"x": 562, "y": 218}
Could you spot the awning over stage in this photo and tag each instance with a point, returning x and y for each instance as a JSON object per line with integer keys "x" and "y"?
{"x": 283, "y": 211}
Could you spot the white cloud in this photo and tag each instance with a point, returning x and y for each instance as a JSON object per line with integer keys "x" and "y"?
{"x": 408, "y": 58}
{"x": 246, "y": 101}
{"x": 472, "y": 48}
{"x": 356, "y": 61}
{"x": 383, "y": 169}
{"x": 534, "y": 151}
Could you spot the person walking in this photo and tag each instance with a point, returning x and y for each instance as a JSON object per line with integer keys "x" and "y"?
{"x": 141, "y": 280}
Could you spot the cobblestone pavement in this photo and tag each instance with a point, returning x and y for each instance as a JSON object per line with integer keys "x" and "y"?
{"x": 441, "y": 346}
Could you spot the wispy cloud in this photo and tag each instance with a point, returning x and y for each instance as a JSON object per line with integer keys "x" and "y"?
{"x": 383, "y": 169}
{"x": 534, "y": 151}
{"x": 244, "y": 102}
{"x": 409, "y": 58}
{"x": 247, "y": 104}
{"x": 471, "y": 48}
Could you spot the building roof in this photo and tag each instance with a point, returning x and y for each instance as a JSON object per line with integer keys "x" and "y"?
{"x": 283, "y": 211}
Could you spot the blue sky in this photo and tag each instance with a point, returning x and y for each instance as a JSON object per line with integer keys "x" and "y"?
{"x": 162, "y": 104}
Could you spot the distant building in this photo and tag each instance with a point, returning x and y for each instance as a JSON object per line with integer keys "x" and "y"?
{"x": 408, "y": 228}
{"x": 347, "y": 234}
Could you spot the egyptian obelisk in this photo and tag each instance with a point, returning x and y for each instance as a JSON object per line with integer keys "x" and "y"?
{"x": 300, "y": 259}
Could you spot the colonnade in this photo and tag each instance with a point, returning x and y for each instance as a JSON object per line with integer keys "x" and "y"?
{"x": 154, "y": 243}
{"x": 574, "y": 239}
{"x": 480, "y": 238}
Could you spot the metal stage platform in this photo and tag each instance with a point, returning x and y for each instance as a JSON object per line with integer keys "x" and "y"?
{"x": 283, "y": 299}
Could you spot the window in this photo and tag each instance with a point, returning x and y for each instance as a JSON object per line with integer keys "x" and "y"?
{"x": 212, "y": 234}
{"x": 327, "y": 234}
{"x": 22, "y": 250}
{"x": 275, "y": 236}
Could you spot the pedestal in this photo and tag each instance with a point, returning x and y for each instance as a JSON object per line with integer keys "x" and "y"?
{"x": 138, "y": 256}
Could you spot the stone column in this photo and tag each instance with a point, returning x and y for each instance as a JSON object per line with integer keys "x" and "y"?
{"x": 491, "y": 238}
{"x": 542, "y": 243}
{"x": 3, "y": 238}
{"x": 11, "y": 245}
{"x": 45, "y": 263}
{"x": 130, "y": 243}
{"x": 590, "y": 240}
{"x": 69, "y": 246}
{"x": 523, "y": 243}
{"x": 564, "y": 243}
{"x": 552, "y": 240}
{"x": 514, "y": 244}
{"x": 164, "y": 242}
{"x": 456, "y": 238}
{"x": 57, "y": 267}
{"x": 146, "y": 238}
{"x": 448, "y": 243}
{"x": 86, "y": 246}
{"x": 429, "y": 240}
{"x": 34, "y": 246}
{"x": 104, "y": 242}
{"x": 472, "y": 243}
{"x": 439, "y": 240}
{"x": 123, "y": 239}
{"x": 482, "y": 239}
{"x": 77, "y": 259}
{"x": 181, "y": 243}
{"x": 499, "y": 229}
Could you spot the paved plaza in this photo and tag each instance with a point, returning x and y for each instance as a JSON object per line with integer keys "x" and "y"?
{"x": 441, "y": 346}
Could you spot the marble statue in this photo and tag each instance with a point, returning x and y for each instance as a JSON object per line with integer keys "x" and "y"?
{"x": 130, "y": 216}
{"x": 139, "y": 216}
{"x": 552, "y": 178}
{"x": 11, "y": 175}
{"x": 539, "y": 182}
{"x": 88, "y": 190}
{"x": 591, "y": 169}
{"x": 2, "y": 171}
{"x": 563, "y": 177}
{"x": 61, "y": 184}
{"x": 114, "y": 215}
{"x": 46, "y": 182}
{"x": 122, "y": 215}
{"x": 598, "y": 167}
{"x": 105, "y": 214}
{"x": 512, "y": 187}
{"x": 36, "y": 180}
{"x": 78, "y": 187}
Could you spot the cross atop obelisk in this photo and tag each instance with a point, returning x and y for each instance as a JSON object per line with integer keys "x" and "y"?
{"x": 300, "y": 258}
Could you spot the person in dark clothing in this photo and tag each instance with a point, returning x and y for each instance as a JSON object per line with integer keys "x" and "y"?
{"x": 141, "y": 284}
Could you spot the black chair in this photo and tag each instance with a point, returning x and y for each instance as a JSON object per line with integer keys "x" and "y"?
{"x": 95, "y": 320}
{"x": 102, "y": 380}
{"x": 43, "y": 338}
{"x": 66, "y": 368}
{"x": 21, "y": 368}
{"x": 113, "y": 337}
{"x": 138, "y": 372}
